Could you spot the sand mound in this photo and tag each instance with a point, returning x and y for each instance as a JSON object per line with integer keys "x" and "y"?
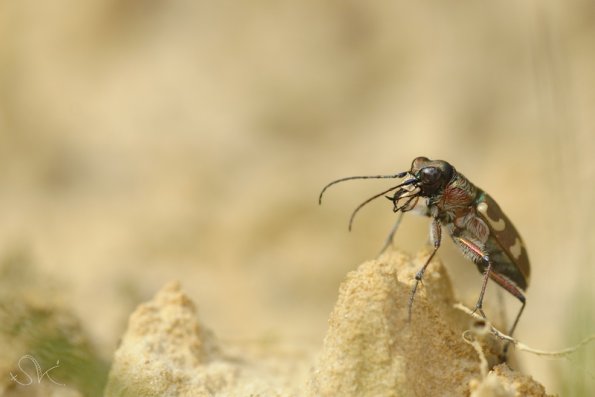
{"x": 370, "y": 348}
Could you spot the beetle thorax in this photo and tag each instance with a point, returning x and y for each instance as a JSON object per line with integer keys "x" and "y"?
{"x": 455, "y": 199}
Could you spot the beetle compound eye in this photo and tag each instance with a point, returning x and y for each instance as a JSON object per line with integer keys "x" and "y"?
{"x": 430, "y": 175}
{"x": 419, "y": 162}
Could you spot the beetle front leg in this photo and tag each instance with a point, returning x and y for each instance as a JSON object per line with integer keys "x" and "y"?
{"x": 436, "y": 238}
{"x": 391, "y": 235}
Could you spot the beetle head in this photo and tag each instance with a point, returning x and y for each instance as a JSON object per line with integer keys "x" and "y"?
{"x": 428, "y": 178}
{"x": 432, "y": 175}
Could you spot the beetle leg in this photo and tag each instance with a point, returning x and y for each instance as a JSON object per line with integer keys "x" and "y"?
{"x": 486, "y": 276}
{"x": 391, "y": 235}
{"x": 517, "y": 293}
{"x": 507, "y": 285}
{"x": 436, "y": 237}
{"x": 474, "y": 252}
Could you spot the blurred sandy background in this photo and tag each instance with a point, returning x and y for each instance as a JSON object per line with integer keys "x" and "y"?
{"x": 145, "y": 141}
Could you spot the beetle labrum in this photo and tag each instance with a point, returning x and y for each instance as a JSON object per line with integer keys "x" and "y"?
{"x": 474, "y": 221}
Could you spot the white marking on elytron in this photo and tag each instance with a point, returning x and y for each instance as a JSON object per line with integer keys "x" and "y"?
{"x": 515, "y": 250}
{"x": 498, "y": 225}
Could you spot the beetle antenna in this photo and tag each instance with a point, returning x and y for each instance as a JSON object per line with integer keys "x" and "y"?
{"x": 355, "y": 211}
{"x": 395, "y": 176}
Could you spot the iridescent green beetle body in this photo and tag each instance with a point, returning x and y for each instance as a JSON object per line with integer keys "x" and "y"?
{"x": 475, "y": 222}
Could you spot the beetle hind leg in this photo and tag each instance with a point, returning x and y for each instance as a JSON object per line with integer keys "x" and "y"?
{"x": 476, "y": 254}
{"x": 517, "y": 293}
{"x": 514, "y": 324}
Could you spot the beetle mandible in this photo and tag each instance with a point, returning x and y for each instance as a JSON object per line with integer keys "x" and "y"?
{"x": 474, "y": 221}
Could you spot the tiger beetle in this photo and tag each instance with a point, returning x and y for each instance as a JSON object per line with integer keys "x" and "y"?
{"x": 475, "y": 222}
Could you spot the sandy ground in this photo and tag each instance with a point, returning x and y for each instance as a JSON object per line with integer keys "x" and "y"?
{"x": 143, "y": 142}
{"x": 371, "y": 347}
